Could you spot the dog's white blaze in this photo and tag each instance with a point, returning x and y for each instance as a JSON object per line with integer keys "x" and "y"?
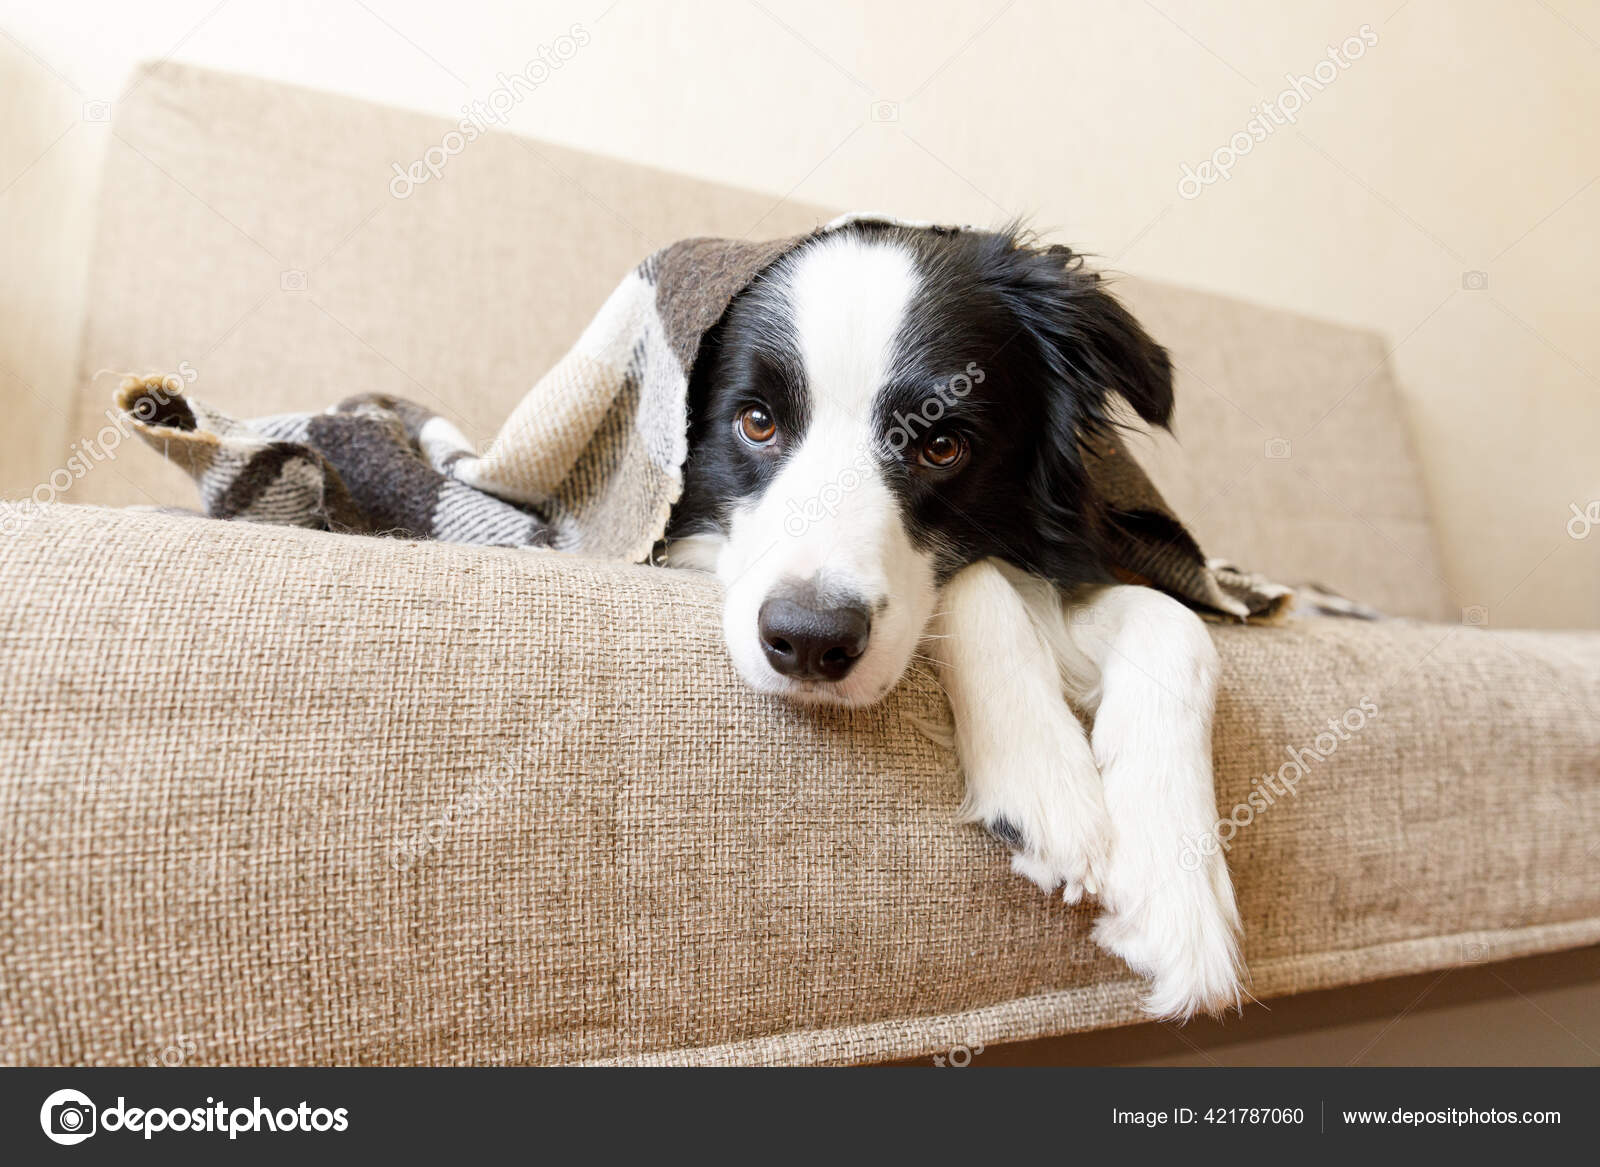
{"x": 849, "y": 300}
{"x": 828, "y": 516}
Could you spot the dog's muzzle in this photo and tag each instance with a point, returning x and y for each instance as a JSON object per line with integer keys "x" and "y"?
{"x": 809, "y": 639}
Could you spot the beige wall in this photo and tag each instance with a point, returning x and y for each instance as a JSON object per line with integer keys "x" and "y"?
{"x": 1464, "y": 140}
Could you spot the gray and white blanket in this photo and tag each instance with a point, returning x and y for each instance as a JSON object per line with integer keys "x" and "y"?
{"x": 591, "y": 460}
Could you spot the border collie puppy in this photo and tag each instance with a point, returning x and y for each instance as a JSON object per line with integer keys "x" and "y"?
{"x": 885, "y": 446}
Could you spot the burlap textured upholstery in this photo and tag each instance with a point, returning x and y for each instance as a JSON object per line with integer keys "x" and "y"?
{"x": 221, "y": 743}
{"x": 286, "y": 796}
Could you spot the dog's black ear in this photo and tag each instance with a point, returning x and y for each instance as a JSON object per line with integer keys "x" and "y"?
{"x": 1085, "y": 334}
{"x": 1090, "y": 347}
{"x": 1066, "y": 534}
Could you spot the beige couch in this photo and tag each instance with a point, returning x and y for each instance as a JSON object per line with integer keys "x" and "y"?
{"x": 276, "y": 796}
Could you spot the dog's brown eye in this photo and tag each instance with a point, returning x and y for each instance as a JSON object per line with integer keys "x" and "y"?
{"x": 756, "y": 424}
{"x": 942, "y": 450}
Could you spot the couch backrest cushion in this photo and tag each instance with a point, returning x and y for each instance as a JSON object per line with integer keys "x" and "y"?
{"x": 262, "y": 237}
{"x": 1289, "y": 452}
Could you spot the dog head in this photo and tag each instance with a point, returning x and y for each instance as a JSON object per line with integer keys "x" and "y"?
{"x": 881, "y": 407}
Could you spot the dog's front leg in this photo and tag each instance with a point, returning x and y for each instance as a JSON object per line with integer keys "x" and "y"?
{"x": 1169, "y": 906}
{"x": 1030, "y": 772}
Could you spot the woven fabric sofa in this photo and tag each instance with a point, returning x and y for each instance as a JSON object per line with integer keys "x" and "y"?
{"x": 278, "y": 796}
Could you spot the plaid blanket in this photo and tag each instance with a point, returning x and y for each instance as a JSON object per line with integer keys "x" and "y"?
{"x": 591, "y": 460}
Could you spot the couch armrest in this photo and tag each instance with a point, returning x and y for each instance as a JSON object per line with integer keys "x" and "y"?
{"x": 293, "y": 797}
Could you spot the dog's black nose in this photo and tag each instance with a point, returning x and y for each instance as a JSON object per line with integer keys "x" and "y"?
{"x": 812, "y": 643}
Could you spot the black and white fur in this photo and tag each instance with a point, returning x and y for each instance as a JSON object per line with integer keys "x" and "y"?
{"x": 849, "y": 537}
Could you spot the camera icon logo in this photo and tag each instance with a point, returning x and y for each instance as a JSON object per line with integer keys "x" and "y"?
{"x": 293, "y": 280}
{"x": 68, "y": 1117}
{"x": 11, "y": 518}
{"x": 1584, "y": 521}
{"x": 886, "y": 111}
{"x": 1475, "y": 616}
{"x": 1277, "y": 449}
{"x": 97, "y": 111}
{"x": 1473, "y": 953}
{"x": 1475, "y": 281}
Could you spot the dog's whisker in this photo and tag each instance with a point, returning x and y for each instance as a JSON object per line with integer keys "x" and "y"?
{"x": 930, "y": 676}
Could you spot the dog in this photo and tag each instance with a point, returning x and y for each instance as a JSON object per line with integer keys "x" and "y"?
{"x": 886, "y": 452}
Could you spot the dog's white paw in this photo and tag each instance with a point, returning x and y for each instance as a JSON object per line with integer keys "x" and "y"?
{"x": 1168, "y": 911}
{"x": 1041, "y": 798}
{"x": 1177, "y": 927}
{"x": 1065, "y": 851}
